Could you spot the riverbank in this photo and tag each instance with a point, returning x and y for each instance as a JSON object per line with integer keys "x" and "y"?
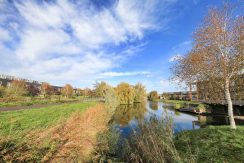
{"x": 186, "y": 106}
{"x": 62, "y": 133}
{"x": 211, "y": 144}
{"x": 156, "y": 143}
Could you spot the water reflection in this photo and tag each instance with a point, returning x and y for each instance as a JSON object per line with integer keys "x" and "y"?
{"x": 128, "y": 116}
{"x": 124, "y": 114}
{"x": 153, "y": 105}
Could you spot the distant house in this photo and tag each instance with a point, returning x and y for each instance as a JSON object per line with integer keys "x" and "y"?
{"x": 5, "y": 80}
{"x": 187, "y": 95}
{"x": 209, "y": 93}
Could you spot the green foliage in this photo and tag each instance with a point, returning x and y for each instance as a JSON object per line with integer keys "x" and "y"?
{"x": 140, "y": 93}
{"x": 153, "y": 95}
{"x": 212, "y": 144}
{"x": 125, "y": 93}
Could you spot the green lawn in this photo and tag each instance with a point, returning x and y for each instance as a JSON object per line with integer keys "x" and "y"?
{"x": 15, "y": 124}
{"x": 212, "y": 144}
{"x": 181, "y": 103}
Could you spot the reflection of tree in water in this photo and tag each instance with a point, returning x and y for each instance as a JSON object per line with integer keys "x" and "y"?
{"x": 153, "y": 105}
{"x": 125, "y": 113}
{"x": 172, "y": 107}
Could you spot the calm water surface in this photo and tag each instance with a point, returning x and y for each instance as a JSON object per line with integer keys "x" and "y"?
{"x": 127, "y": 117}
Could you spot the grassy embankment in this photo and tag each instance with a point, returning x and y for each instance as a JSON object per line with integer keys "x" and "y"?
{"x": 212, "y": 144}
{"x": 181, "y": 103}
{"x": 31, "y": 135}
{"x": 156, "y": 143}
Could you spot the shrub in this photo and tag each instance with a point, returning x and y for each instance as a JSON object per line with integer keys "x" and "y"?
{"x": 153, "y": 95}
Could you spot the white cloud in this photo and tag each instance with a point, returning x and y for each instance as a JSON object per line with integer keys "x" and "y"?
{"x": 175, "y": 58}
{"x": 179, "y": 50}
{"x": 118, "y": 74}
{"x": 67, "y": 41}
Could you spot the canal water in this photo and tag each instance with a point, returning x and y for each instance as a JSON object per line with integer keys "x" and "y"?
{"x": 127, "y": 117}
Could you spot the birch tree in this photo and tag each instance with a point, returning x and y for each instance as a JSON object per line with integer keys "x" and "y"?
{"x": 218, "y": 54}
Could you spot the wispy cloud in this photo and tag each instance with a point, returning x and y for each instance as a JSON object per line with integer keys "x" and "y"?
{"x": 179, "y": 50}
{"x": 119, "y": 74}
{"x": 175, "y": 58}
{"x": 64, "y": 40}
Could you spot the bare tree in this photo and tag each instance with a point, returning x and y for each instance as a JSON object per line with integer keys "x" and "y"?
{"x": 218, "y": 54}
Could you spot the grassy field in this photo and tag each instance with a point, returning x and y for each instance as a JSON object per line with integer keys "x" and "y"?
{"x": 212, "y": 144}
{"x": 15, "y": 124}
{"x": 29, "y": 135}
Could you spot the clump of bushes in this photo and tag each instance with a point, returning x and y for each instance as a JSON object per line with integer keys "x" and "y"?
{"x": 151, "y": 141}
{"x": 153, "y": 96}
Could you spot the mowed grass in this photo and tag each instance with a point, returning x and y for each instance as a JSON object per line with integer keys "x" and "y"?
{"x": 212, "y": 144}
{"x": 16, "y": 124}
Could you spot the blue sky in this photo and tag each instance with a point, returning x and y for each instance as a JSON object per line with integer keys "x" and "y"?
{"x": 80, "y": 42}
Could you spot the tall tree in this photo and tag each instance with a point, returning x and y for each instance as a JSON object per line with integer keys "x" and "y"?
{"x": 125, "y": 93}
{"x": 140, "y": 93}
{"x": 67, "y": 90}
{"x": 218, "y": 53}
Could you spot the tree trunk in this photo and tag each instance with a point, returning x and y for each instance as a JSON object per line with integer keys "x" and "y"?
{"x": 190, "y": 93}
{"x": 230, "y": 106}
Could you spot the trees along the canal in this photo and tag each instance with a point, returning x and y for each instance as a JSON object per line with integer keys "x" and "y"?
{"x": 140, "y": 93}
{"x": 218, "y": 53}
{"x": 101, "y": 89}
{"x": 153, "y": 95}
{"x": 125, "y": 93}
{"x": 67, "y": 90}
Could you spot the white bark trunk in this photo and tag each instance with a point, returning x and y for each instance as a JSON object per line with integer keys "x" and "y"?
{"x": 230, "y": 106}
